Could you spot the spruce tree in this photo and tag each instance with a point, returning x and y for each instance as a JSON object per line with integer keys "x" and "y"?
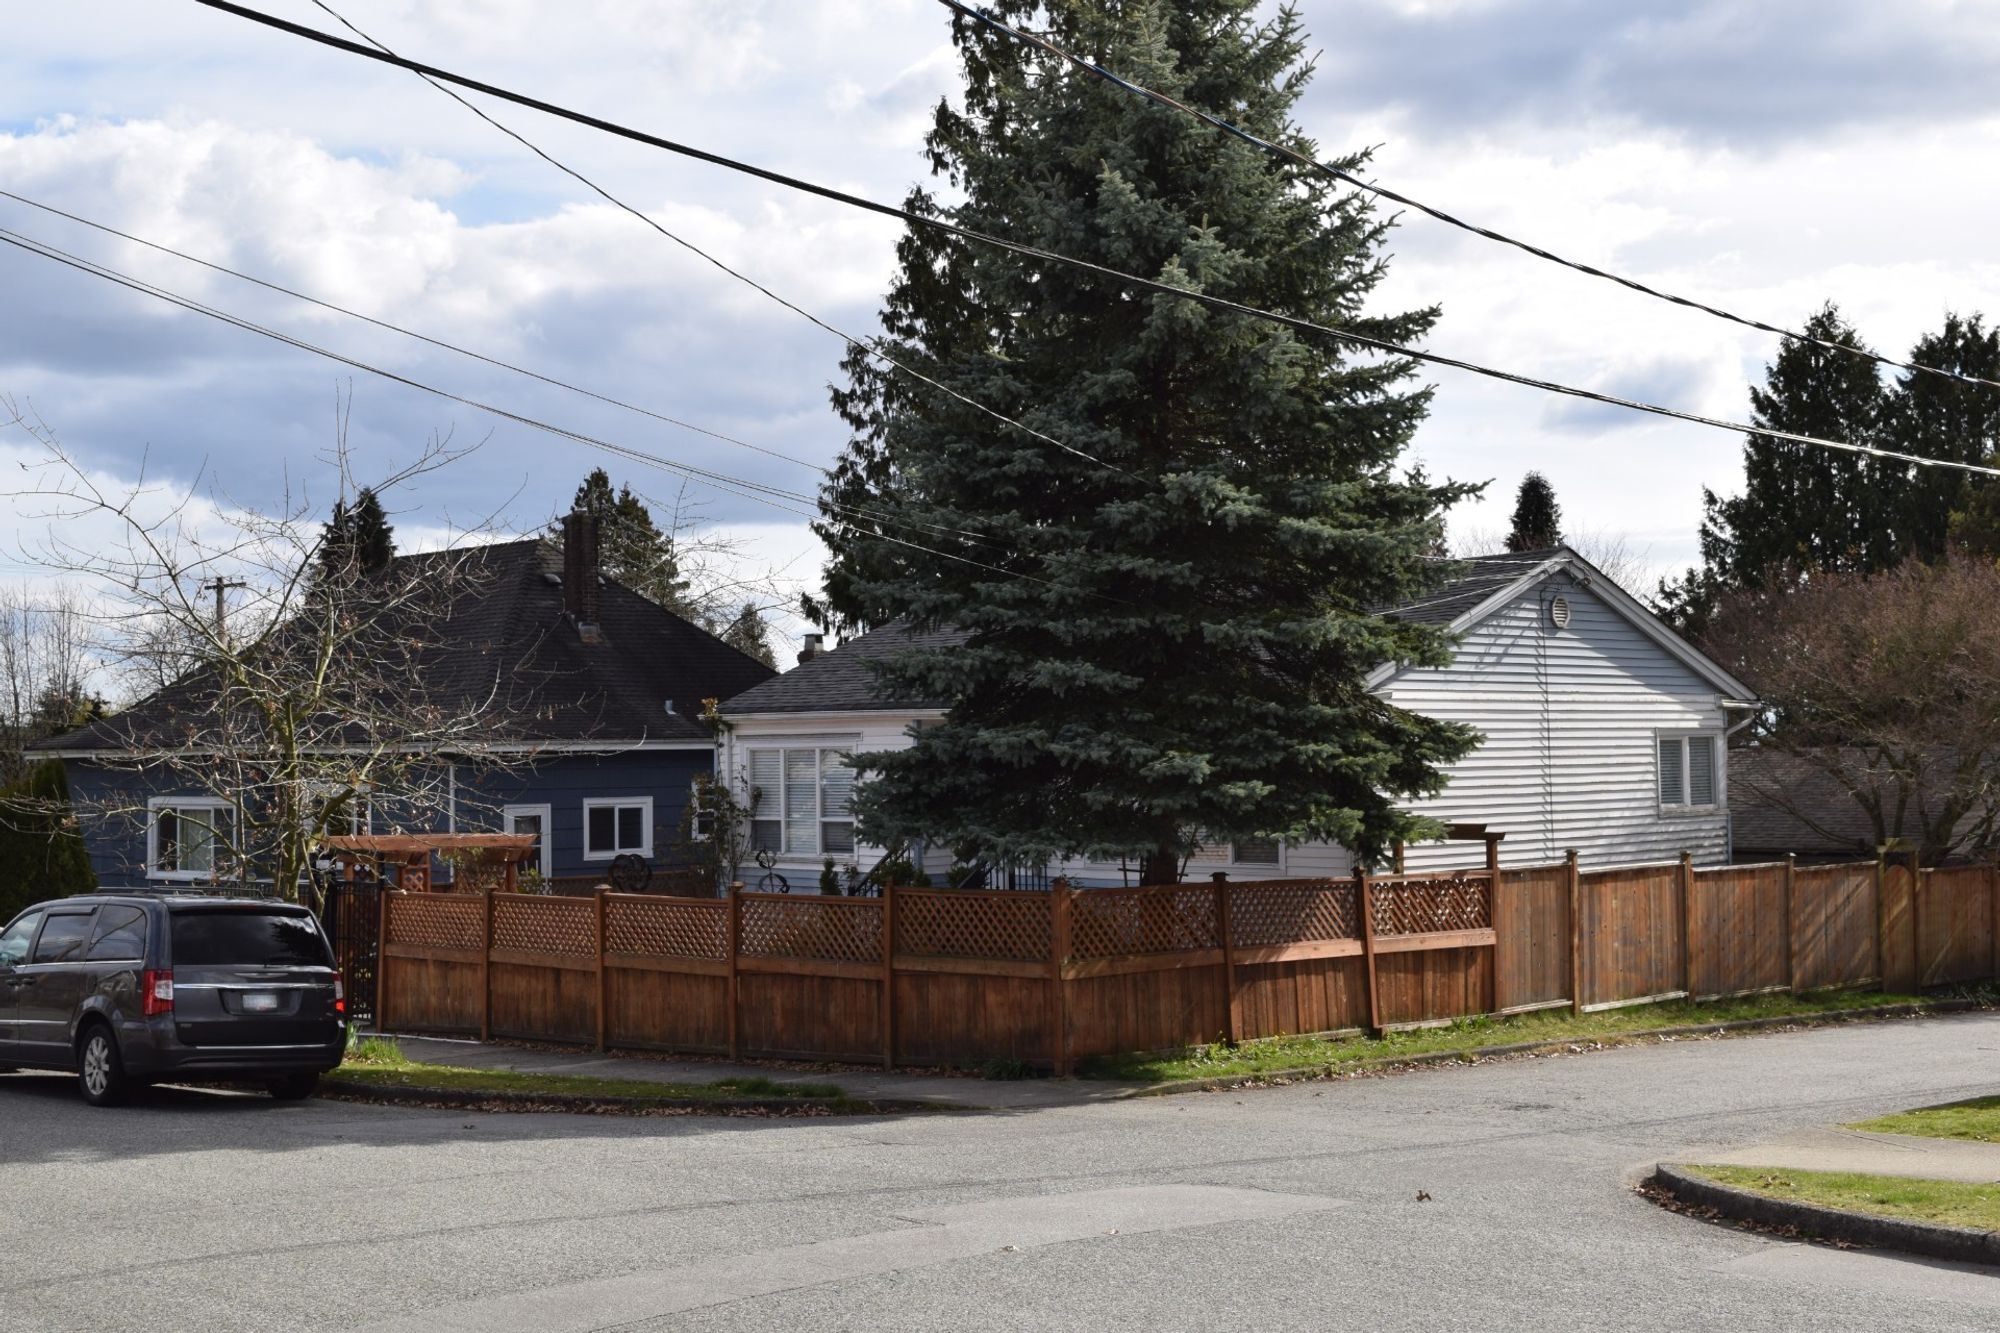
{"x": 1537, "y": 516}
{"x": 748, "y": 634}
{"x": 630, "y": 545}
{"x": 1175, "y": 646}
{"x": 357, "y": 541}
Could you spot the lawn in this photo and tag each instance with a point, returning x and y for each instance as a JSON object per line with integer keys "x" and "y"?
{"x": 1948, "y": 1202}
{"x": 1331, "y": 1054}
{"x": 1978, "y": 1119}
{"x": 379, "y": 1062}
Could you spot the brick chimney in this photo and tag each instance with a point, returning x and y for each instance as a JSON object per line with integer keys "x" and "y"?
{"x": 580, "y": 574}
{"x": 811, "y": 648}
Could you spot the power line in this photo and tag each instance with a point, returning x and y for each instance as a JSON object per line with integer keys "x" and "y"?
{"x": 864, "y": 346}
{"x": 463, "y": 351}
{"x": 1035, "y": 252}
{"x": 738, "y": 486}
{"x": 1381, "y": 191}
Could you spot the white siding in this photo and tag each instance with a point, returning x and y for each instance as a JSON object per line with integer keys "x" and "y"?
{"x": 1570, "y": 717}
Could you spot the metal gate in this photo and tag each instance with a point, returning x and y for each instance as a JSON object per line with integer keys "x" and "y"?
{"x": 354, "y": 923}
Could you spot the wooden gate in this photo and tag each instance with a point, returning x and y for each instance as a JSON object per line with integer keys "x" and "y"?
{"x": 354, "y": 924}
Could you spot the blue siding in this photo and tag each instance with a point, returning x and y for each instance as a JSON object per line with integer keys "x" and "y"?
{"x": 111, "y": 804}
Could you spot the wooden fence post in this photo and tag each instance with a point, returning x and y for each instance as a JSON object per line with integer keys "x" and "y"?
{"x": 486, "y": 968}
{"x": 603, "y": 984}
{"x": 1222, "y": 925}
{"x": 381, "y": 953}
{"x": 1992, "y": 920}
{"x": 1368, "y": 950}
{"x": 1917, "y": 919}
{"x": 735, "y": 932}
{"x": 1687, "y": 922}
{"x": 1791, "y": 897}
{"x": 1575, "y": 931}
{"x": 889, "y": 976}
{"x": 1059, "y": 949}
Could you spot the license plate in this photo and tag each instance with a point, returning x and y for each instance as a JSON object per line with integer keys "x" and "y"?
{"x": 257, "y": 1002}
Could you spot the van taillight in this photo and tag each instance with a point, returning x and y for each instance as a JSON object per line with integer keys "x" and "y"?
{"x": 339, "y": 996}
{"x": 156, "y": 992}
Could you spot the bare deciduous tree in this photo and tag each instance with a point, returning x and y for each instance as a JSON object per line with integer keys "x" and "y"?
{"x": 1886, "y": 686}
{"x": 317, "y": 693}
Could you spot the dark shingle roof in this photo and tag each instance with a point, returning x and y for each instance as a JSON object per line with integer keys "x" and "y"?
{"x": 1780, "y": 802}
{"x": 1479, "y": 578}
{"x": 840, "y": 681}
{"x": 505, "y": 648}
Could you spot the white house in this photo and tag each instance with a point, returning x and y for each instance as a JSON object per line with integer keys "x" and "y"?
{"x": 1603, "y": 731}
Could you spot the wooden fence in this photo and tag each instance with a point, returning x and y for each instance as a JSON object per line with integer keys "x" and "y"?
{"x": 946, "y": 976}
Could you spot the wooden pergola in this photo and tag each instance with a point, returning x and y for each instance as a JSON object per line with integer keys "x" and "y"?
{"x": 408, "y": 855}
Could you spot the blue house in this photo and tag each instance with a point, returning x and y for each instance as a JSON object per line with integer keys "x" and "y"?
{"x": 589, "y": 697}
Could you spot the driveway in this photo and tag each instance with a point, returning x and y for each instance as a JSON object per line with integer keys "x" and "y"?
{"x": 1268, "y": 1209}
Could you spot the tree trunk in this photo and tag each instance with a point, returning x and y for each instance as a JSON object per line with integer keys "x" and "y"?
{"x": 1162, "y": 865}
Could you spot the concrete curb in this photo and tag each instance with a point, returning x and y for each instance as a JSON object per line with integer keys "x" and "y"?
{"x": 1637, "y": 1036}
{"x": 572, "y": 1103}
{"x": 1929, "y": 1239}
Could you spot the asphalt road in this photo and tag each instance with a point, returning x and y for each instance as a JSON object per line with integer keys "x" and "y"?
{"x": 1266, "y": 1209}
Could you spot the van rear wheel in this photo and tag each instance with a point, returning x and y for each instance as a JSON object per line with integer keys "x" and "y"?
{"x": 100, "y": 1070}
{"x": 293, "y": 1087}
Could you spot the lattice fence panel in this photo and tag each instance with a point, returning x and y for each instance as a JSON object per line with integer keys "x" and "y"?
{"x": 564, "y": 926}
{"x": 832, "y": 930}
{"x": 436, "y": 920}
{"x": 1424, "y": 906}
{"x": 947, "y": 924}
{"x": 1293, "y": 912}
{"x": 667, "y": 928}
{"x": 1108, "y": 923}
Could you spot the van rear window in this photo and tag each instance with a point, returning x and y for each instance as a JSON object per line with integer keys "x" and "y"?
{"x": 247, "y": 939}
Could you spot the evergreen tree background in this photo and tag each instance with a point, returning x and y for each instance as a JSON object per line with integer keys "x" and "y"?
{"x": 1182, "y": 656}
{"x": 1806, "y": 509}
{"x": 1537, "y": 516}
{"x": 41, "y": 850}
{"x": 747, "y": 633}
{"x": 630, "y": 546}
{"x": 357, "y": 541}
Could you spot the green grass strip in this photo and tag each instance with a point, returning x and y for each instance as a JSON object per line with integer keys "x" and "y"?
{"x": 1977, "y": 1120}
{"x": 381, "y": 1063}
{"x": 1946, "y": 1202}
{"x": 1275, "y": 1054}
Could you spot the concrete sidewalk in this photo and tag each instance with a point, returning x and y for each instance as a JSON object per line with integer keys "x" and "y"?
{"x": 1835, "y": 1149}
{"x": 970, "y": 1093}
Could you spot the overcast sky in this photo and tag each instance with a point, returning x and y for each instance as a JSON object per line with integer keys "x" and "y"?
{"x": 1763, "y": 156}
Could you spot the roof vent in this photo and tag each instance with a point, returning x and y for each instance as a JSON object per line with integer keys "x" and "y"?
{"x": 1559, "y": 612}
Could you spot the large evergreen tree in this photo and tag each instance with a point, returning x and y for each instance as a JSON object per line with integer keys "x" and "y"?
{"x": 1175, "y": 647}
{"x": 630, "y": 545}
{"x": 1537, "y": 516}
{"x": 357, "y": 540}
{"x": 1933, "y": 417}
{"x": 747, "y": 633}
{"x": 1804, "y": 507}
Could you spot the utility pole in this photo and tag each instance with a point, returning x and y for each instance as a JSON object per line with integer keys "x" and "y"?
{"x": 220, "y": 586}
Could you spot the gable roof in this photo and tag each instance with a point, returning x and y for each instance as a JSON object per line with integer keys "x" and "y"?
{"x": 839, "y": 681}
{"x": 505, "y": 647}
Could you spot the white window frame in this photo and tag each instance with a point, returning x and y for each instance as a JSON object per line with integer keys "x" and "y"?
{"x": 1197, "y": 863}
{"x": 1718, "y": 755}
{"x": 177, "y": 803}
{"x": 547, "y": 815}
{"x": 645, "y": 805}
{"x": 780, "y": 816}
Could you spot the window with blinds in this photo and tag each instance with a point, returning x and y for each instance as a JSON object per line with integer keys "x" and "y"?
{"x": 1252, "y": 852}
{"x": 1687, "y": 771}
{"x": 802, "y": 802}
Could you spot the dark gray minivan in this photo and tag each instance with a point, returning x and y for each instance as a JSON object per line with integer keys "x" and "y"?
{"x": 130, "y": 988}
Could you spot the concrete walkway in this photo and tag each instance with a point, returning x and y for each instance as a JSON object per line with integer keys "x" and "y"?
{"x": 971, "y": 1093}
{"x": 1835, "y": 1149}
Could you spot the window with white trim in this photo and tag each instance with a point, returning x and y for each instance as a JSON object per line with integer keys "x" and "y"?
{"x": 188, "y": 837}
{"x": 803, "y": 802}
{"x": 1250, "y": 853}
{"x": 617, "y": 826}
{"x": 1687, "y": 770}
{"x": 532, "y": 820}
